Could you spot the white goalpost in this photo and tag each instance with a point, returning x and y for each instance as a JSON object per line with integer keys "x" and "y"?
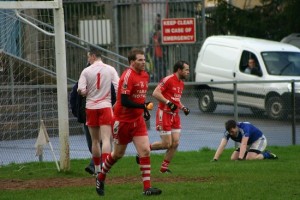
{"x": 36, "y": 70}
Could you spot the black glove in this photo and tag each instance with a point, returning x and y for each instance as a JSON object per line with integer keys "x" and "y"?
{"x": 171, "y": 105}
{"x": 146, "y": 115}
{"x": 186, "y": 110}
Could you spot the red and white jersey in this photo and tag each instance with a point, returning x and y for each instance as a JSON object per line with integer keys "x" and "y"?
{"x": 171, "y": 88}
{"x": 95, "y": 82}
{"x": 135, "y": 85}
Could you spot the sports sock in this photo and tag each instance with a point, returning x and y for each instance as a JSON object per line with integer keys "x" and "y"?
{"x": 97, "y": 164}
{"x": 145, "y": 168}
{"x": 109, "y": 162}
{"x": 266, "y": 155}
{"x": 164, "y": 166}
{"x": 103, "y": 157}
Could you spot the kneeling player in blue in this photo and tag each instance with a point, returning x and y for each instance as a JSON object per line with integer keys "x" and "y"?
{"x": 252, "y": 142}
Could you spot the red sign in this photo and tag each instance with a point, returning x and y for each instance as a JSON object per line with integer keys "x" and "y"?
{"x": 178, "y": 30}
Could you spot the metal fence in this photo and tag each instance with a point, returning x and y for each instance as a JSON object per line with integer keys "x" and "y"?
{"x": 200, "y": 129}
{"x": 120, "y": 25}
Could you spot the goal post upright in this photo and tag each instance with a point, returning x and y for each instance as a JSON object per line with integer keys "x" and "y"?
{"x": 62, "y": 91}
{"x": 60, "y": 61}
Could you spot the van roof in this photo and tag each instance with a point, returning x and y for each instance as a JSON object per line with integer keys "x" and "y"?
{"x": 259, "y": 44}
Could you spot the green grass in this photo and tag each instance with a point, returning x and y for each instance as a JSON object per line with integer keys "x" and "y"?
{"x": 194, "y": 177}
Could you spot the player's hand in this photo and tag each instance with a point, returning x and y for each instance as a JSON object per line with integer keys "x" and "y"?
{"x": 171, "y": 105}
{"x": 146, "y": 114}
{"x": 186, "y": 110}
{"x": 149, "y": 105}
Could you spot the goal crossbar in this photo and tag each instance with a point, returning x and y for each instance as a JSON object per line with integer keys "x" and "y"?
{"x": 29, "y": 4}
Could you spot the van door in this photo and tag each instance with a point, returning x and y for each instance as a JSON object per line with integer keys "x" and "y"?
{"x": 250, "y": 94}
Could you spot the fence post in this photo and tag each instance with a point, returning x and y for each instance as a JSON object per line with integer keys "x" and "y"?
{"x": 39, "y": 111}
{"x": 235, "y": 108}
{"x": 293, "y": 112}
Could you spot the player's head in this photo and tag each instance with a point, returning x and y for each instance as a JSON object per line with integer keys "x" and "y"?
{"x": 231, "y": 127}
{"x": 93, "y": 54}
{"x": 94, "y": 51}
{"x": 136, "y": 59}
{"x": 230, "y": 124}
{"x": 182, "y": 68}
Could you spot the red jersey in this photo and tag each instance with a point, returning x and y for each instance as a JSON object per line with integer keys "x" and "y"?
{"x": 171, "y": 88}
{"x": 135, "y": 85}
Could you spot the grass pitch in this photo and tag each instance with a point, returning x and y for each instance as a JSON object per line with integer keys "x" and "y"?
{"x": 193, "y": 177}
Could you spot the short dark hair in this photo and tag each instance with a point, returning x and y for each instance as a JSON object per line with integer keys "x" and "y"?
{"x": 230, "y": 124}
{"x": 95, "y": 51}
{"x": 179, "y": 65}
{"x": 132, "y": 54}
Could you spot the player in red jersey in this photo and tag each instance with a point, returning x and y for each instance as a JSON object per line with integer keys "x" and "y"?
{"x": 129, "y": 125}
{"x": 168, "y": 93}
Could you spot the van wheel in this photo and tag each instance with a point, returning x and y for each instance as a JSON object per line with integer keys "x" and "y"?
{"x": 206, "y": 101}
{"x": 276, "y": 108}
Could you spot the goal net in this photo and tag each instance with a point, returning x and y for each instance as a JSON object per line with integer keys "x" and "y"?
{"x": 28, "y": 80}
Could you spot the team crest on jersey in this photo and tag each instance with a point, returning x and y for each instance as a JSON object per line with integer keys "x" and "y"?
{"x": 142, "y": 84}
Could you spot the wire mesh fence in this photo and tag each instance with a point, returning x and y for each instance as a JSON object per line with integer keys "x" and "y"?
{"x": 19, "y": 127}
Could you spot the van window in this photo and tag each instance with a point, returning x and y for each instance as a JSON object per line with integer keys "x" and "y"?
{"x": 219, "y": 56}
{"x": 282, "y": 63}
{"x": 249, "y": 64}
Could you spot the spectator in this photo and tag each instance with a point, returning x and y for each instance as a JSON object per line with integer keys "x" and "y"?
{"x": 252, "y": 68}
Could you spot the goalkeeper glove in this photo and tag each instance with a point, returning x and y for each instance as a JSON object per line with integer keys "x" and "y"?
{"x": 171, "y": 105}
{"x": 149, "y": 105}
{"x": 186, "y": 110}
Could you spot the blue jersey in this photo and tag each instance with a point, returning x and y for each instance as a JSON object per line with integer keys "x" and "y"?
{"x": 245, "y": 130}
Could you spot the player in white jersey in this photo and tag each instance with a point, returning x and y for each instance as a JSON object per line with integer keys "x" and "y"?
{"x": 95, "y": 83}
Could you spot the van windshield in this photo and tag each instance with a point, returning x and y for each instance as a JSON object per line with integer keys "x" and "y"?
{"x": 282, "y": 63}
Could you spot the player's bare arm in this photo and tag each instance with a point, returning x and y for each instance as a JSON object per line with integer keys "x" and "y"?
{"x": 157, "y": 94}
{"x": 220, "y": 149}
{"x": 243, "y": 147}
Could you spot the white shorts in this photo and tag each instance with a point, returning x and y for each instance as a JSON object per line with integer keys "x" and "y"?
{"x": 258, "y": 146}
{"x": 169, "y": 132}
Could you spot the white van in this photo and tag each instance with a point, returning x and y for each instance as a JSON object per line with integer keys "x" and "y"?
{"x": 224, "y": 58}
